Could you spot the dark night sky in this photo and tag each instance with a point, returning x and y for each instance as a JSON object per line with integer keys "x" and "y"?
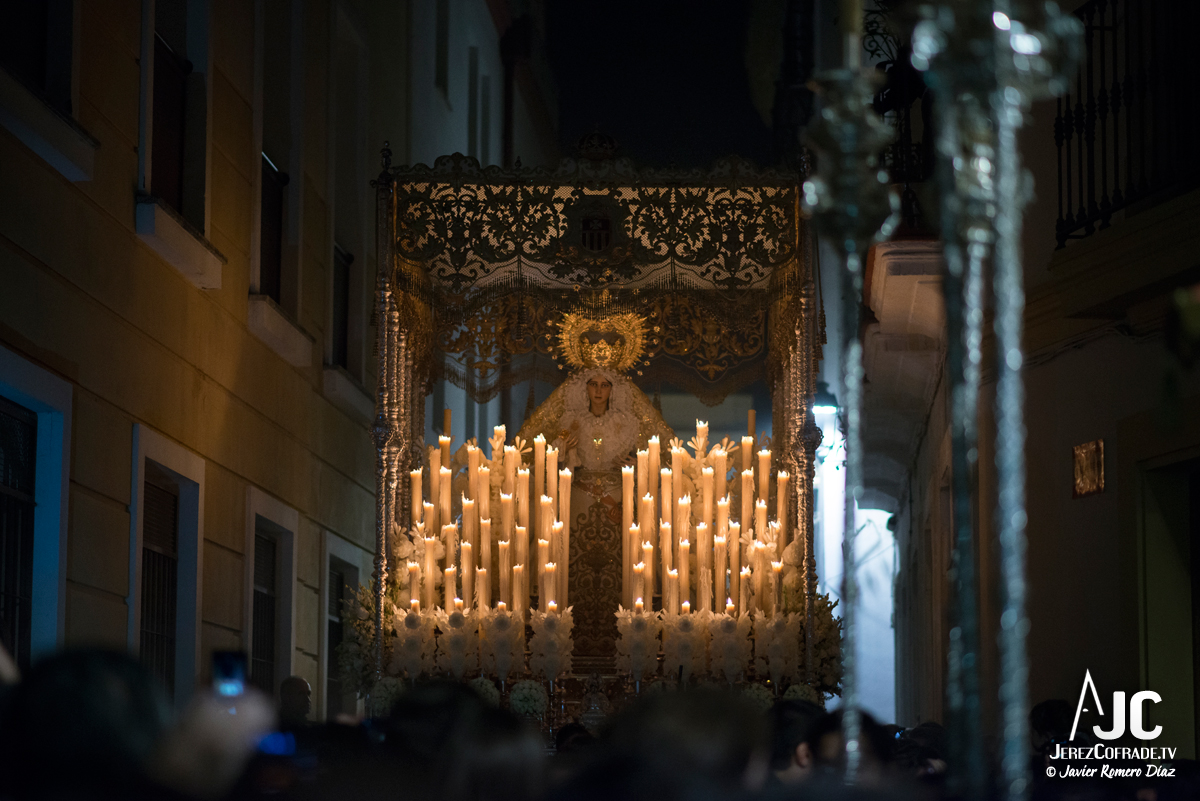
{"x": 667, "y": 78}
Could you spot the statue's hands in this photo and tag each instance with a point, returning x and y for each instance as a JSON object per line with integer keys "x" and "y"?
{"x": 570, "y": 439}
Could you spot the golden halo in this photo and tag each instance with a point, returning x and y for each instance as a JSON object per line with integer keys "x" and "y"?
{"x": 611, "y": 341}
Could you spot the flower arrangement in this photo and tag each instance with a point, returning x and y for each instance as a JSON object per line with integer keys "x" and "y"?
{"x": 356, "y": 654}
{"x": 637, "y": 642}
{"x": 777, "y": 646}
{"x": 528, "y": 698}
{"x": 501, "y": 644}
{"x": 759, "y": 695}
{"x": 729, "y": 649}
{"x": 803, "y": 692}
{"x": 551, "y": 645}
{"x": 826, "y": 647}
{"x": 685, "y": 643}
{"x": 458, "y": 651}
{"x": 414, "y": 646}
{"x": 486, "y": 689}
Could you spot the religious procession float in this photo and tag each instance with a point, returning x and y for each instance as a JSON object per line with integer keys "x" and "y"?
{"x": 595, "y": 554}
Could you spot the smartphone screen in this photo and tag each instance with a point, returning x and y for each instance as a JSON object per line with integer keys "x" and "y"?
{"x": 229, "y": 672}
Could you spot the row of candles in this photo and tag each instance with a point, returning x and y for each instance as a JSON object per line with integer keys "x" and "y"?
{"x": 659, "y": 522}
{"x": 467, "y": 566}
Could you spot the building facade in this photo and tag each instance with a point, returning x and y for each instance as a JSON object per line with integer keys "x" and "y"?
{"x": 186, "y": 381}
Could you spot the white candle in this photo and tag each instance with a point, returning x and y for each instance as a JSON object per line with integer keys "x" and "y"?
{"x": 626, "y": 497}
{"x": 473, "y": 458}
{"x": 444, "y": 515}
{"x": 735, "y": 561}
{"x": 643, "y": 473}
{"x": 552, "y": 473}
{"x": 512, "y": 461}
{"x": 450, "y": 540}
{"x": 666, "y": 544}
{"x": 646, "y": 518}
{"x": 685, "y": 585}
{"x": 552, "y": 607}
{"x": 701, "y": 439}
{"x": 648, "y": 561}
{"x": 416, "y": 505}
{"x": 539, "y": 479}
{"x": 744, "y": 605}
{"x": 484, "y": 499}
{"x": 671, "y": 595}
{"x": 467, "y": 560}
{"x": 506, "y": 517}
{"x": 719, "y": 567}
{"x": 638, "y": 607}
{"x": 777, "y": 588}
{"x": 557, "y": 540}
{"x": 706, "y": 496}
{"x": 723, "y": 516}
{"x": 630, "y": 540}
{"x": 730, "y": 609}
{"x": 483, "y": 601}
{"x": 747, "y": 517}
{"x": 639, "y": 581}
{"x": 444, "y": 447}
{"x": 704, "y": 555}
{"x": 760, "y": 520}
{"x": 678, "y": 463}
{"x": 414, "y": 606}
{"x": 505, "y": 573}
{"x": 652, "y": 463}
{"x": 704, "y": 591}
{"x": 448, "y": 602}
{"x": 685, "y": 608}
{"x": 720, "y": 471}
{"x": 430, "y": 569}
{"x": 683, "y": 518}
{"x": 543, "y": 552}
{"x": 564, "y": 514}
{"x": 747, "y": 453}
{"x": 523, "y": 497}
{"x": 666, "y": 498}
{"x": 551, "y": 583}
{"x": 520, "y": 596}
{"x": 414, "y": 582}
{"x": 501, "y": 607}
{"x": 764, "y": 474}
{"x": 760, "y": 575}
{"x": 781, "y": 507}
{"x": 485, "y": 558}
{"x": 546, "y": 516}
{"x": 458, "y": 605}
{"x": 520, "y": 587}
{"x": 499, "y": 434}
{"x": 431, "y": 515}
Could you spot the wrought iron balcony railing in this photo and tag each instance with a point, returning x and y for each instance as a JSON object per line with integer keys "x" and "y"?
{"x": 1125, "y": 133}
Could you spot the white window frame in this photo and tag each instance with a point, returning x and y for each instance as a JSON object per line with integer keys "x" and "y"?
{"x": 187, "y": 470}
{"x": 283, "y": 523}
{"x": 334, "y": 546}
{"x": 50, "y": 397}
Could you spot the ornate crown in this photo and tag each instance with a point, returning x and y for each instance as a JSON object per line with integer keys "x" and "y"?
{"x": 611, "y": 341}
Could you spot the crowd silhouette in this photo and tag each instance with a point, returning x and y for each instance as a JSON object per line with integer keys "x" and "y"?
{"x": 94, "y": 724}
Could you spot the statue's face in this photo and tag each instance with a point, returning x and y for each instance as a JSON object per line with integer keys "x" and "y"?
{"x": 599, "y": 390}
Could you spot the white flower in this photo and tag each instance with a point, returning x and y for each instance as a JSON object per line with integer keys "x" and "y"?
{"x": 412, "y": 621}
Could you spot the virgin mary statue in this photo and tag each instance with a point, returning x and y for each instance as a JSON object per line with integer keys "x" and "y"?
{"x": 597, "y": 419}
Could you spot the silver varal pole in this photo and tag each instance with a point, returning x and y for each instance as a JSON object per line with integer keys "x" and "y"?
{"x": 853, "y": 208}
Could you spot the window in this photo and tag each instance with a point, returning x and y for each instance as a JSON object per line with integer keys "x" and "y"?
{"x": 170, "y": 118}
{"x": 266, "y": 593}
{"x": 270, "y": 275}
{"x": 35, "y": 47}
{"x": 441, "y": 77}
{"x": 341, "y": 306}
{"x": 342, "y": 577}
{"x": 18, "y": 446}
{"x": 167, "y": 527}
{"x": 160, "y": 574}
